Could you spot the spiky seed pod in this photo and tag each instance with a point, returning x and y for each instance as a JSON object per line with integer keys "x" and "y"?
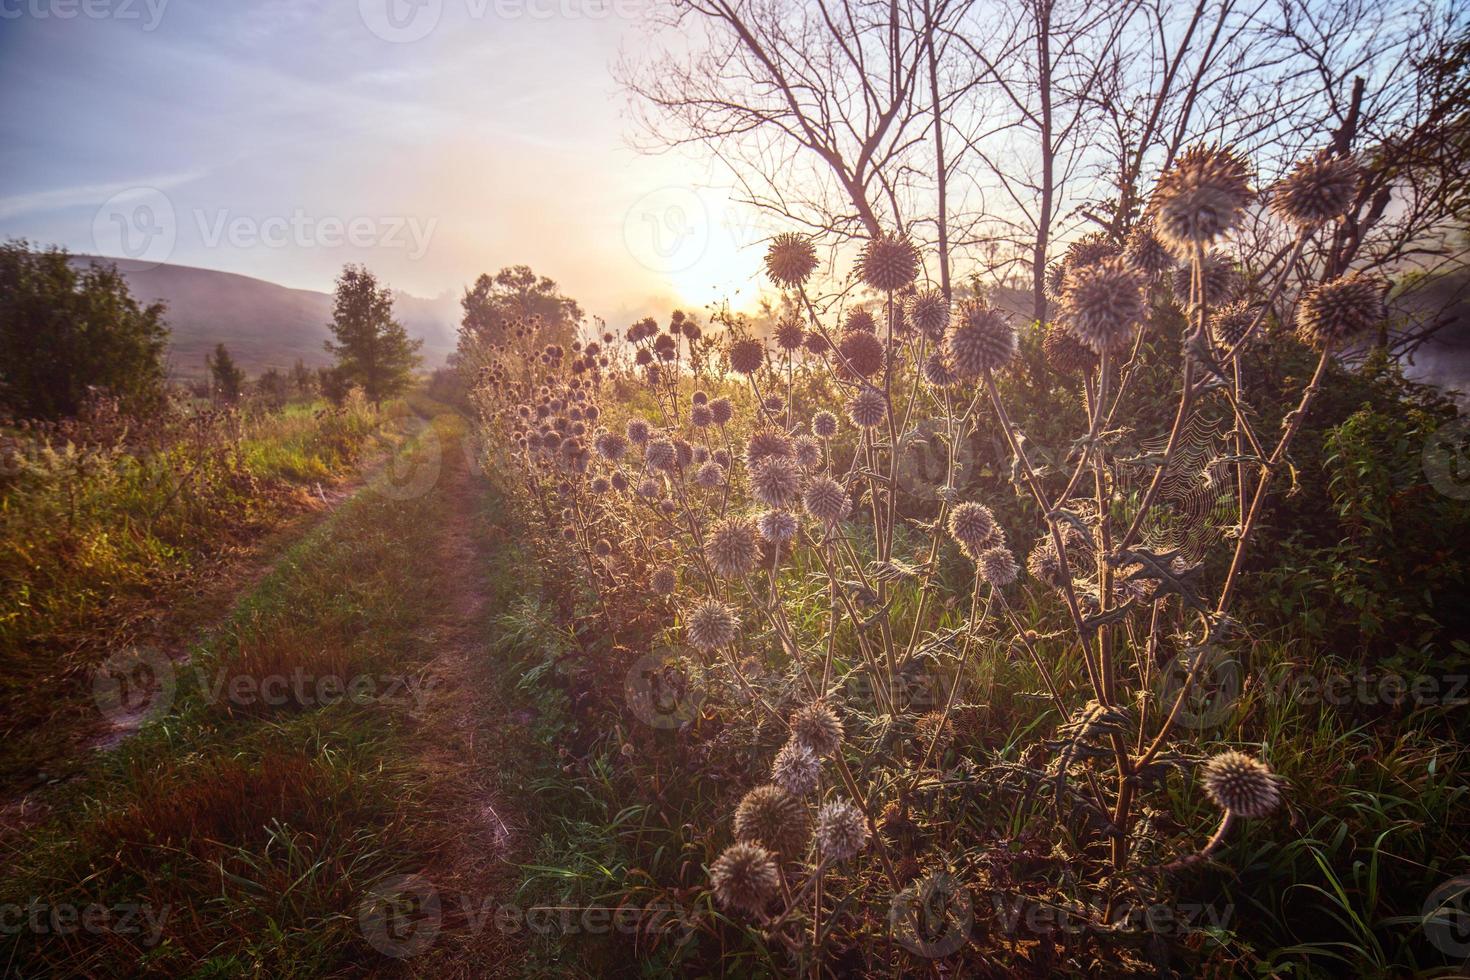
{"x": 777, "y": 526}
{"x": 862, "y": 353}
{"x": 1090, "y": 249}
{"x": 1222, "y": 280}
{"x": 808, "y": 452}
{"x": 638, "y": 431}
{"x": 619, "y": 482}
{"x": 929, "y": 313}
{"x": 789, "y": 335}
{"x": 980, "y": 339}
{"x": 722, "y": 410}
{"x": 663, "y": 581}
{"x": 867, "y": 408}
{"x": 1241, "y": 785}
{"x": 826, "y": 501}
{"x": 937, "y": 370}
{"x": 610, "y": 445}
{"x": 1044, "y": 564}
{"x": 701, "y": 416}
{"x": 1102, "y": 303}
{"x": 824, "y": 424}
{"x": 1065, "y": 354}
{"x": 790, "y": 259}
{"x": 1200, "y": 198}
{"x": 733, "y": 547}
{"x": 860, "y": 319}
{"x": 767, "y": 442}
{"x": 747, "y": 355}
{"x": 699, "y": 398}
{"x": 775, "y": 819}
{"x": 1229, "y": 323}
{"x": 796, "y": 769}
{"x": 997, "y": 566}
{"x": 817, "y": 727}
{"x": 710, "y": 476}
{"x": 816, "y": 343}
{"x": 1341, "y": 308}
{"x": 1146, "y": 253}
{"x": 684, "y": 452}
{"x": 973, "y": 526}
{"x": 842, "y": 831}
{"x": 889, "y": 262}
{"x": 934, "y": 727}
{"x": 661, "y": 455}
{"x": 601, "y": 485}
{"x": 773, "y": 404}
{"x": 745, "y": 878}
{"x": 711, "y": 625}
{"x": 776, "y": 481}
{"x": 1318, "y": 189}
{"x": 603, "y": 548}
{"x": 1055, "y": 280}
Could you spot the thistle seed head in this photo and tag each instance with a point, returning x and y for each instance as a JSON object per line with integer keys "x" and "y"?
{"x": 1241, "y": 785}
{"x": 929, "y": 313}
{"x": 842, "y": 831}
{"x": 775, "y": 819}
{"x": 1200, "y": 198}
{"x": 817, "y": 727}
{"x": 745, "y": 878}
{"x": 867, "y": 408}
{"x": 1337, "y": 310}
{"x": 980, "y": 339}
{"x": 796, "y": 769}
{"x": 889, "y": 262}
{"x": 790, "y": 259}
{"x": 1102, "y": 304}
{"x": 711, "y": 625}
{"x": 826, "y": 501}
{"x": 1318, "y": 189}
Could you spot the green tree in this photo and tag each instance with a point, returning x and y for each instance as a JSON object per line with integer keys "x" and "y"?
{"x": 273, "y": 388}
{"x": 515, "y": 295}
{"x": 227, "y": 380}
{"x": 372, "y": 349}
{"x": 64, "y": 330}
{"x": 333, "y": 385}
{"x": 303, "y": 378}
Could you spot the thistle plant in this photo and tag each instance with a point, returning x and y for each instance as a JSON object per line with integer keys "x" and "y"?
{"x": 752, "y": 489}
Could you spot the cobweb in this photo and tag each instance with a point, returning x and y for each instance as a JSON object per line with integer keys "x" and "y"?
{"x": 1196, "y": 502}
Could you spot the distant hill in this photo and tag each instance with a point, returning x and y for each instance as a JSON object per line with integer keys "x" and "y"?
{"x": 263, "y": 325}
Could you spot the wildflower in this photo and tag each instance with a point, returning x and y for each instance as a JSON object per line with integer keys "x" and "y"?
{"x": 610, "y": 445}
{"x": 862, "y": 353}
{"x": 868, "y": 408}
{"x": 1146, "y": 254}
{"x": 1222, "y": 280}
{"x": 1102, "y": 303}
{"x": 733, "y": 547}
{"x": 842, "y": 831}
{"x": 1337, "y": 310}
{"x": 889, "y": 262}
{"x": 745, "y": 878}
{"x": 1241, "y": 785}
{"x": 1065, "y": 354}
{"x": 937, "y": 370}
{"x": 1229, "y": 323}
{"x": 775, "y": 819}
{"x": 826, "y": 501}
{"x": 661, "y": 454}
{"x": 818, "y": 728}
{"x": 775, "y": 481}
{"x": 711, "y": 625}
{"x": 790, "y": 259}
{"x": 722, "y": 410}
{"x": 767, "y": 442}
{"x": 808, "y": 452}
{"x": 1200, "y": 198}
{"x": 747, "y": 355}
{"x": 824, "y": 424}
{"x": 816, "y": 343}
{"x": 929, "y": 313}
{"x": 789, "y": 335}
{"x": 860, "y": 319}
{"x": 1318, "y": 189}
{"x": 777, "y": 526}
{"x": 638, "y": 431}
{"x": 796, "y": 769}
{"x": 980, "y": 339}
{"x": 973, "y": 526}
{"x": 649, "y": 487}
{"x": 710, "y": 476}
{"x": 997, "y": 566}
{"x": 663, "y": 580}
{"x": 701, "y": 416}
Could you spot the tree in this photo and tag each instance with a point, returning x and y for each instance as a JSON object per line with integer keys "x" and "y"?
{"x": 372, "y": 349}
{"x": 304, "y": 379}
{"x": 227, "y": 380}
{"x": 273, "y": 388}
{"x": 333, "y": 385}
{"x": 65, "y": 330}
{"x": 517, "y": 295}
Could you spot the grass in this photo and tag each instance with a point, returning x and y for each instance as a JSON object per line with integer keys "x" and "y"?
{"x": 255, "y": 831}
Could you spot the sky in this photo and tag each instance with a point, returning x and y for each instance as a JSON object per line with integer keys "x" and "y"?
{"x": 432, "y": 140}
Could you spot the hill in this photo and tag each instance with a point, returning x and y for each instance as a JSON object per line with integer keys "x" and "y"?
{"x": 263, "y": 324}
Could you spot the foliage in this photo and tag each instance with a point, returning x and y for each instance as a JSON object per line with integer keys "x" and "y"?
{"x": 372, "y": 349}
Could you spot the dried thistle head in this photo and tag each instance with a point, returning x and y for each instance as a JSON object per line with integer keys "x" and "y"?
{"x": 790, "y": 335}
{"x": 973, "y": 527}
{"x": 860, "y": 319}
{"x": 842, "y": 830}
{"x": 660, "y": 454}
{"x": 1339, "y": 309}
{"x": 777, "y": 526}
{"x": 889, "y": 262}
{"x": 663, "y": 580}
{"x": 938, "y": 371}
{"x": 710, "y": 476}
{"x": 790, "y": 259}
{"x": 701, "y": 416}
{"x": 808, "y": 452}
{"x": 817, "y": 727}
{"x": 824, "y": 424}
{"x": 733, "y": 547}
{"x": 997, "y": 566}
{"x": 1229, "y": 324}
{"x": 776, "y": 481}
{"x": 980, "y": 339}
{"x": 610, "y": 445}
{"x": 796, "y": 769}
{"x": 1241, "y": 785}
{"x": 1102, "y": 304}
{"x": 928, "y": 311}
{"x": 767, "y": 442}
{"x": 826, "y": 501}
{"x": 745, "y": 878}
{"x": 1221, "y": 279}
{"x": 1318, "y": 189}
{"x": 1146, "y": 253}
{"x": 638, "y": 431}
{"x": 862, "y": 353}
{"x": 1200, "y": 198}
{"x": 868, "y": 408}
{"x": 722, "y": 410}
{"x": 775, "y": 819}
{"x": 1065, "y": 354}
{"x": 711, "y": 625}
{"x": 747, "y": 355}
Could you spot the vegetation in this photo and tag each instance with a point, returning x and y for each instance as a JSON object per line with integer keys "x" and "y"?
{"x": 372, "y": 349}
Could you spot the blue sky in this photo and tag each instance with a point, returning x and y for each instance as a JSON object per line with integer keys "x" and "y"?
{"x": 430, "y": 139}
